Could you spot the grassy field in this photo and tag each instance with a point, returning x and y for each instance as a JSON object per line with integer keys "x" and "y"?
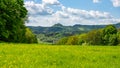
{"x": 53, "y": 56}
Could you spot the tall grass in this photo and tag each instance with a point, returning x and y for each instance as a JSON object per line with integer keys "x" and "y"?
{"x": 53, "y": 56}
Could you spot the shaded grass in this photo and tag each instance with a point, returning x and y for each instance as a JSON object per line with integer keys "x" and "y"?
{"x": 53, "y": 56}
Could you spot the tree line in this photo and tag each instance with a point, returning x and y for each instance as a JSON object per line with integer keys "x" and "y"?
{"x": 109, "y": 35}
{"x": 13, "y": 15}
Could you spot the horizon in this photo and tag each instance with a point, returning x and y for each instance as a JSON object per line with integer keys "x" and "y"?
{"x": 70, "y": 12}
{"x": 77, "y": 24}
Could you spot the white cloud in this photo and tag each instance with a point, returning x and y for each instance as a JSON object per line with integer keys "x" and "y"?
{"x": 96, "y": 1}
{"x": 51, "y": 2}
{"x": 87, "y": 14}
{"x": 45, "y": 15}
{"x": 70, "y": 16}
{"x": 37, "y": 9}
{"x": 116, "y": 3}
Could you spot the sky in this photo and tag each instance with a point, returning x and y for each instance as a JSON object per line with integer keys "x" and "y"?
{"x": 71, "y": 12}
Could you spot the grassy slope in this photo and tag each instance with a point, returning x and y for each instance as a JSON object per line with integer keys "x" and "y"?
{"x": 44, "y": 56}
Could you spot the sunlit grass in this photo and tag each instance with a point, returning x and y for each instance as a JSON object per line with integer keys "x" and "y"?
{"x": 53, "y": 56}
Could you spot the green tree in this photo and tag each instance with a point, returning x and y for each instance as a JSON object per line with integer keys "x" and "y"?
{"x": 12, "y": 19}
{"x": 118, "y": 36}
{"x": 113, "y": 40}
{"x": 62, "y": 41}
{"x": 94, "y": 37}
{"x": 73, "y": 40}
{"x": 82, "y": 38}
{"x": 29, "y": 37}
{"x": 109, "y": 35}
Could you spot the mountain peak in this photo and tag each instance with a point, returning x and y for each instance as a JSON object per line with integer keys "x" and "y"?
{"x": 57, "y": 25}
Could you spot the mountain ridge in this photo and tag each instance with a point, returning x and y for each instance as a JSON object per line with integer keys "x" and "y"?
{"x": 58, "y": 31}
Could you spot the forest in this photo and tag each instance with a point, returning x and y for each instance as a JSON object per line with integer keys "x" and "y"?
{"x": 78, "y": 34}
{"x": 105, "y": 36}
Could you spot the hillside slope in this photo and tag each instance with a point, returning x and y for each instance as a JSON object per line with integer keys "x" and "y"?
{"x": 58, "y": 31}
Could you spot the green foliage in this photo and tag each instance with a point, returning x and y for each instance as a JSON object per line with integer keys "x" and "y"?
{"x": 72, "y": 40}
{"x": 62, "y": 41}
{"x": 109, "y": 35}
{"x": 94, "y": 37}
{"x": 110, "y": 29}
{"x": 113, "y": 40}
{"x": 105, "y": 36}
{"x": 12, "y": 20}
{"x": 54, "y": 33}
{"x": 29, "y": 37}
{"x": 58, "y": 31}
{"x": 118, "y": 36}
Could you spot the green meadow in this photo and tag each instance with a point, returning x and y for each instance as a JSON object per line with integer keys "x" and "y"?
{"x": 62, "y": 56}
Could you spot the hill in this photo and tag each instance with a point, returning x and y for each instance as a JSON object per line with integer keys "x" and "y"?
{"x": 58, "y": 31}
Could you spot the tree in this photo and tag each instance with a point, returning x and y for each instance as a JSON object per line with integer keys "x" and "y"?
{"x": 110, "y": 29}
{"x": 82, "y": 38}
{"x": 62, "y": 41}
{"x": 118, "y": 36}
{"x": 73, "y": 40}
{"x": 105, "y": 36}
{"x": 113, "y": 40}
{"x": 29, "y": 37}
{"x": 109, "y": 35}
{"x": 12, "y": 19}
{"x": 94, "y": 37}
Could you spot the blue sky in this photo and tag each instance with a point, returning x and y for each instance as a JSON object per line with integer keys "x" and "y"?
{"x": 103, "y": 5}
{"x": 71, "y": 12}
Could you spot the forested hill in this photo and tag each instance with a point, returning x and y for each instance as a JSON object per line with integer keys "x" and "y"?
{"x": 76, "y": 29}
{"x": 58, "y": 31}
